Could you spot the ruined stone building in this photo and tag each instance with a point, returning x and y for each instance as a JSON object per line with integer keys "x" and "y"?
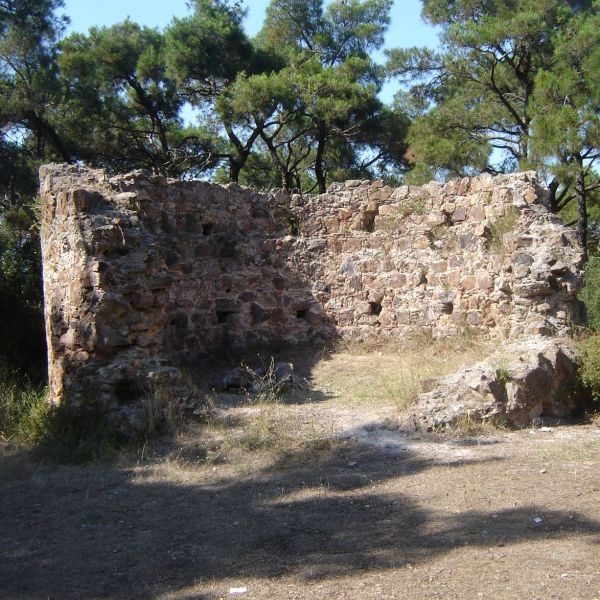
{"x": 143, "y": 275}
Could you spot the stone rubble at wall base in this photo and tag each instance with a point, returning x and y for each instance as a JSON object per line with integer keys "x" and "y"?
{"x": 143, "y": 275}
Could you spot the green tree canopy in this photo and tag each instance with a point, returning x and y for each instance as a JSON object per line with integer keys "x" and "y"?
{"x": 205, "y": 52}
{"x": 123, "y": 111}
{"x": 311, "y": 113}
{"x": 473, "y": 98}
{"x": 565, "y": 137}
{"x": 29, "y": 90}
{"x": 490, "y": 99}
{"x": 29, "y": 83}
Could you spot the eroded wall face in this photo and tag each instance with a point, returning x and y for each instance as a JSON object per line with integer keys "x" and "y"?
{"x": 142, "y": 274}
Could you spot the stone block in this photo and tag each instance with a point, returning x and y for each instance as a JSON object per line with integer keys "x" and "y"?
{"x": 530, "y": 289}
{"x": 331, "y": 224}
{"x": 538, "y": 379}
{"x": 398, "y": 281}
{"x": 469, "y": 282}
{"x": 485, "y": 282}
{"x": 477, "y": 213}
{"x": 459, "y": 215}
{"x": 388, "y": 211}
{"x": 438, "y": 266}
{"x": 421, "y": 243}
{"x": 474, "y": 318}
{"x": 400, "y": 193}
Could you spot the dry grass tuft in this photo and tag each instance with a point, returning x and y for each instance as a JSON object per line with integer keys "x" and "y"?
{"x": 504, "y": 224}
{"x": 576, "y": 451}
{"x": 375, "y": 380}
{"x": 467, "y": 426}
{"x": 381, "y": 372}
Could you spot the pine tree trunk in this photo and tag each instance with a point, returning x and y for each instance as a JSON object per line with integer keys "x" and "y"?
{"x": 49, "y": 134}
{"x": 582, "y": 224}
{"x": 235, "y": 167}
{"x": 552, "y": 200}
{"x": 319, "y": 173}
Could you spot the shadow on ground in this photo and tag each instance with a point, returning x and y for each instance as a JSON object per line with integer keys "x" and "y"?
{"x": 98, "y": 532}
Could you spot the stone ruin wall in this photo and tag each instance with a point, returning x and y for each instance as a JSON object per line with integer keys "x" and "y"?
{"x": 142, "y": 274}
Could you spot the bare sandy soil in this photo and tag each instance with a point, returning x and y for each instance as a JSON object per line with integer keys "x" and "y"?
{"x": 316, "y": 495}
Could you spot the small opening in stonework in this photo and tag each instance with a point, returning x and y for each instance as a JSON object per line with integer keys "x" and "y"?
{"x": 447, "y": 308}
{"x": 165, "y": 222}
{"x": 375, "y": 308}
{"x": 302, "y": 313}
{"x": 294, "y": 225}
{"x": 207, "y": 228}
{"x": 228, "y": 291}
{"x": 127, "y": 389}
{"x": 226, "y": 246}
{"x": 369, "y": 222}
{"x": 223, "y": 316}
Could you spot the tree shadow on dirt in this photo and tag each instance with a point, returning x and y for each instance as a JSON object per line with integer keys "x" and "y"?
{"x": 117, "y": 533}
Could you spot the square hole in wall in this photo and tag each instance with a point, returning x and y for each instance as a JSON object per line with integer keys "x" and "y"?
{"x": 223, "y": 316}
{"x": 375, "y": 308}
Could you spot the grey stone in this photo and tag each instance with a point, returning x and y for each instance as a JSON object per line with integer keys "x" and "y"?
{"x": 516, "y": 385}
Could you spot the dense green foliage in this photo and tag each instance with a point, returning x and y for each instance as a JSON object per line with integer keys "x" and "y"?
{"x": 59, "y": 432}
{"x": 589, "y": 347}
{"x": 29, "y": 87}
{"x": 590, "y": 294}
{"x": 23, "y": 410}
{"x": 589, "y": 370}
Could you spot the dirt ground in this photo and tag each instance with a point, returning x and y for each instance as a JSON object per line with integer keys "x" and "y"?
{"x": 313, "y": 495}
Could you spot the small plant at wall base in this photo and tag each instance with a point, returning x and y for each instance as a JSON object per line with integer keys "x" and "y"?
{"x": 502, "y": 375}
{"x": 23, "y": 409}
{"x": 413, "y": 206}
{"x": 295, "y": 225}
{"x": 62, "y": 433}
{"x": 164, "y": 413}
{"x": 590, "y": 295}
{"x": 589, "y": 347}
{"x": 589, "y": 370}
{"x": 438, "y": 232}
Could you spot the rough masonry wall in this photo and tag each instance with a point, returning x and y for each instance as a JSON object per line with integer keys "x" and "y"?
{"x": 482, "y": 253}
{"x": 143, "y": 274}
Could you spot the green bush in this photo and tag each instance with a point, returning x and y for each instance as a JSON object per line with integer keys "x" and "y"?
{"x": 590, "y": 295}
{"x": 589, "y": 371}
{"x": 23, "y": 409}
{"x": 22, "y": 343}
{"x": 62, "y": 433}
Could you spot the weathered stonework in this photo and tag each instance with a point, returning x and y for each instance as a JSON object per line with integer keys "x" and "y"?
{"x": 143, "y": 274}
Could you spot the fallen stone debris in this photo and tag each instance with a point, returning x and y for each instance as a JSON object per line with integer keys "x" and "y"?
{"x": 278, "y": 377}
{"x": 522, "y": 382}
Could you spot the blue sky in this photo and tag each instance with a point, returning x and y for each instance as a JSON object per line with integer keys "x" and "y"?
{"x": 407, "y": 29}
